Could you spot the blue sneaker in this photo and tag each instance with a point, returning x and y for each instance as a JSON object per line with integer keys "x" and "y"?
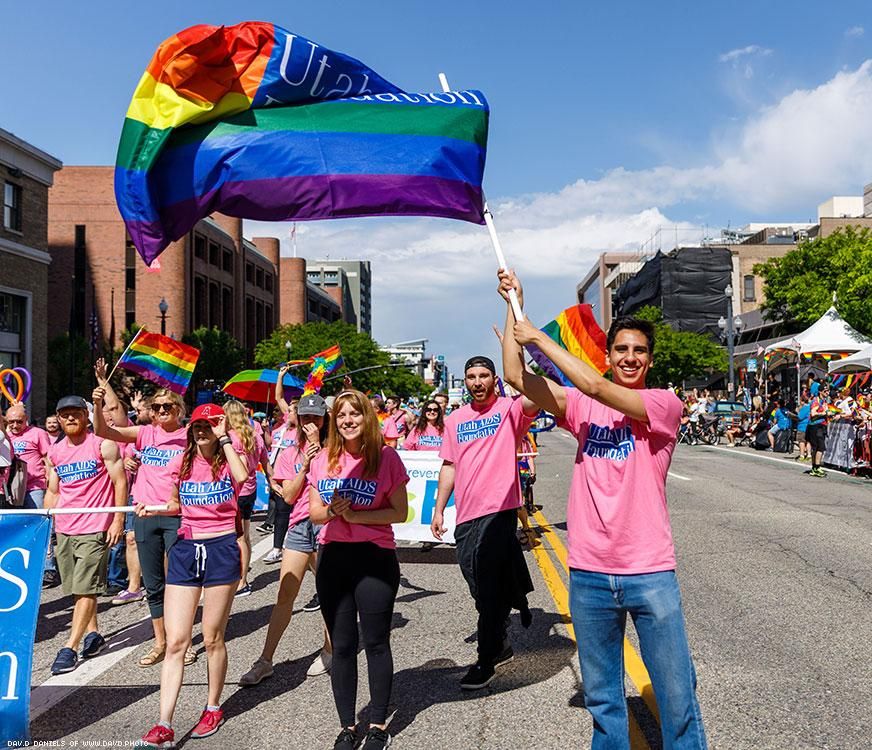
{"x": 65, "y": 661}
{"x": 244, "y": 591}
{"x": 94, "y": 644}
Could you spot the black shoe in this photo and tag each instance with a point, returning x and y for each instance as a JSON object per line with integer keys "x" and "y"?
{"x": 66, "y": 661}
{"x": 376, "y": 739}
{"x": 113, "y": 588}
{"x": 94, "y": 644}
{"x": 477, "y": 677}
{"x": 505, "y": 657}
{"x": 264, "y": 528}
{"x": 50, "y": 579}
{"x": 313, "y": 606}
{"x": 347, "y": 740}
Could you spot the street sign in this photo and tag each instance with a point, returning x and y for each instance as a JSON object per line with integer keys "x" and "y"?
{"x": 752, "y": 365}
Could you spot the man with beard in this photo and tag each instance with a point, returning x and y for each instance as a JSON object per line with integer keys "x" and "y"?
{"x": 479, "y": 465}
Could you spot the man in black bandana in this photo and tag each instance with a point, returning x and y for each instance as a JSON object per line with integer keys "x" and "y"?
{"x": 479, "y": 450}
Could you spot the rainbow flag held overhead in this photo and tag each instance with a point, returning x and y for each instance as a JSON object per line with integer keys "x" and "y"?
{"x": 160, "y": 359}
{"x": 255, "y": 122}
{"x": 577, "y": 331}
{"x": 323, "y": 364}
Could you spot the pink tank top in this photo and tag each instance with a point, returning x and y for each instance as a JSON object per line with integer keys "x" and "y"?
{"x": 84, "y": 482}
{"x": 209, "y": 506}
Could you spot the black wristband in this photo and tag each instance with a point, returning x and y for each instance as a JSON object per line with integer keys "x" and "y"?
{"x": 224, "y": 440}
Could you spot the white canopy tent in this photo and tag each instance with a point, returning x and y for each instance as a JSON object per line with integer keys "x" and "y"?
{"x": 859, "y": 362}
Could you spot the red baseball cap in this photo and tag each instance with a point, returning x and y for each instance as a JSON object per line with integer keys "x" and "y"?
{"x": 207, "y": 412}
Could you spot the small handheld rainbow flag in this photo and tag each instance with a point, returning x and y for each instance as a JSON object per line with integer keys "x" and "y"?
{"x": 160, "y": 359}
{"x": 577, "y": 331}
{"x": 323, "y": 364}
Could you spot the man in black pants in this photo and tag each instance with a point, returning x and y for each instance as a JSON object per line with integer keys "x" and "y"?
{"x": 479, "y": 452}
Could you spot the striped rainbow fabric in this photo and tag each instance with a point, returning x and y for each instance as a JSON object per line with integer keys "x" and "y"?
{"x": 323, "y": 364}
{"x": 577, "y": 331}
{"x": 256, "y": 122}
{"x": 160, "y": 359}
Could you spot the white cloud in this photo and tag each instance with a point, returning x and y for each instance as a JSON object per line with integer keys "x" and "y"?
{"x": 855, "y": 32}
{"x": 434, "y": 278}
{"x": 751, "y": 50}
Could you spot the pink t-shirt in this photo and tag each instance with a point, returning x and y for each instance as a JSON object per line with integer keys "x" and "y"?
{"x": 428, "y": 440}
{"x": 481, "y": 443}
{"x": 83, "y": 482}
{"x": 370, "y": 494}
{"x": 157, "y": 448}
{"x": 399, "y": 418}
{"x": 288, "y": 467}
{"x": 282, "y": 437}
{"x": 389, "y": 429}
{"x": 618, "y": 520}
{"x": 209, "y": 506}
{"x": 251, "y": 461}
{"x": 31, "y": 446}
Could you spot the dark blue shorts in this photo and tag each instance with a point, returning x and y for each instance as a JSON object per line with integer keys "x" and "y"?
{"x": 204, "y": 562}
{"x": 246, "y": 505}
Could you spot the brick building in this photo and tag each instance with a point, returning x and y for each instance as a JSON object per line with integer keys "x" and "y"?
{"x": 26, "y": 173}
{"x": 211, "y": 277}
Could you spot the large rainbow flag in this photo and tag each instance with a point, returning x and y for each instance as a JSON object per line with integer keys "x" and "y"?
{"x": 577, "y": 331}
{"x": 160, "y": 359}
{"x": 253, "y": 121}
{"x": 323, "y": 363}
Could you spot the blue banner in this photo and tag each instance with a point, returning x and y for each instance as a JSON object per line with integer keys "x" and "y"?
{"x": 23, "y": 545}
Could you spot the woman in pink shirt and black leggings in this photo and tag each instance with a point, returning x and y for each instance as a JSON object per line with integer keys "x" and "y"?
{"x": 206, "y": 481}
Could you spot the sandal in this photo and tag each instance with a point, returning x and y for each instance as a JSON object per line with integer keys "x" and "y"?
{"x": 190, "y": 656}
{"x": 153, "y": 657}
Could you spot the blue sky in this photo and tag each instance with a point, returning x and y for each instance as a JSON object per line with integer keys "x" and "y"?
{"x": 608, "y": 120}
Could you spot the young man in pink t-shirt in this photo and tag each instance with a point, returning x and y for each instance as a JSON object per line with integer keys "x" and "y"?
{"x": 478, "y": 452}
{"x": 621, "y": 555}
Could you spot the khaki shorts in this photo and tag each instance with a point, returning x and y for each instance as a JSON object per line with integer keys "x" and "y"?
{"x": 82, "y": 561}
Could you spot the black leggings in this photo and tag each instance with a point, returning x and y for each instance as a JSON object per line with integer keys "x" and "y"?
{"x": 359, "y": 579}
{"x": 282, "y": 519}
{"x": 154, "y": 537}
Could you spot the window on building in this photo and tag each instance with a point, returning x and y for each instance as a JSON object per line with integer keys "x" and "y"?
{"x": 250, "y": 324}
{"x": 214, "y": 254}
{"x": 200, "y": 246}
{"x": 249, "y": 273}
{"x": 258, "y": 278}
{"x": 259, "y": 322}
{"x": 313, "y": 308}
{"x": 268, "y": 282}
{"x": 214, "y": 305}
{"x": 268, "y": 317}
{"x": 12, "y": 207}
{"x": 200, "y": 305}
{"x": 228, "y": 260}
{"x": 749, "y": 292}
{"x": 227, "y": 309}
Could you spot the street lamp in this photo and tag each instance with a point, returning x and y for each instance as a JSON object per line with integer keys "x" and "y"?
{"x": 731, "y": 327}
{"x": 163, "y": 307}
{"x": 288, "y": 350}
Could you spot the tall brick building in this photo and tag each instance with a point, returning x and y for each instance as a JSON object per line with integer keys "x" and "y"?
{"x": 26, "y": 173}
{"x": 211, "y": 277}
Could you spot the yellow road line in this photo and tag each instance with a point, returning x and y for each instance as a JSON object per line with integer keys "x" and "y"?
{"x": 633, "y": 664}
{"x": 560, "y": 595}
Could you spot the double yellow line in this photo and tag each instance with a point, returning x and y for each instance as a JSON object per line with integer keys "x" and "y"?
{"x": 633, "y": 664}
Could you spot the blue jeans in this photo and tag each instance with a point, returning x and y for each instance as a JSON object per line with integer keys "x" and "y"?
{"x": 600, "y": 603}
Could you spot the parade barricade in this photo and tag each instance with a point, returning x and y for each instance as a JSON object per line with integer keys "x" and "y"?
{"x": 840, "y": 445}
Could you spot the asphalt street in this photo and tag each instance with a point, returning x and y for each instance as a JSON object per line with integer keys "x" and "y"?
{"x": 776, "y": 575}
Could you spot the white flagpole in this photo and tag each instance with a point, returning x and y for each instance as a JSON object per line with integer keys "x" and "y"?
{"x": 492, "y": 230}
{"x": 130, "y": 343}
{"x": 71, "y": 511}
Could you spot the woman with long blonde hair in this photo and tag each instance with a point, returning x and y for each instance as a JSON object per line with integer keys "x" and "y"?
{"x": 249, "y": 444}
{"x": 357, "y": 489}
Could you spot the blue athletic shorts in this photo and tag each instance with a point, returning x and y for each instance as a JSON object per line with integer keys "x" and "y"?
{"x": 302, "y": 537}
{"x": 246, "y": 505}
{"x": 204, "y": 562}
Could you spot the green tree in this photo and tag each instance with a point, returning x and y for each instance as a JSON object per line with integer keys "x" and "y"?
{"x": 221, "y": 356}
{"x": 799, "y": 285}
{"x": 358, "y": 351}
{"x": 69, "y": 369}
{"x": 679, "y": 355}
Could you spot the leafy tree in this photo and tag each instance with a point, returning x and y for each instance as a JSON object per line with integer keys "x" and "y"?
{"x": 358, "y": 351}
{"x": 680, "y": 355}
{"x": 69, "y": 369}
{"x": 799, "y": 285}
{"x": 221, "y": 356}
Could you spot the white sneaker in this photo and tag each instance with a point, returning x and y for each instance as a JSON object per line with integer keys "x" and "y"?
{"x": 260, "y": 670}
{"x": 321, "y": 665}
{"x": 273, "y": 556}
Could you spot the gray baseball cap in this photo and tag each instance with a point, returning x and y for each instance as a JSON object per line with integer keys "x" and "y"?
{"x": 311, "y": 404}
{"x": 72, "y": 402}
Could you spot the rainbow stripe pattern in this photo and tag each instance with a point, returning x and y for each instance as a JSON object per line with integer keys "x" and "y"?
{"x": 256, "y": 122}
{"x": 160, "y": 359}
{"x": 323, "y": 364}
{"x": 577, "y": 331}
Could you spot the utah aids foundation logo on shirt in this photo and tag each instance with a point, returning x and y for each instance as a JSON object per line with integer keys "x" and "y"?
{"x": 432, "y": 440}
{"x": 206, "y": 493}
{"x": 151, "y": 456}
{"x": 361, "y": 492}
{"x": 478, "y": 428}
{"x": 605, "y": 442}
{"x": 77, "y": 471}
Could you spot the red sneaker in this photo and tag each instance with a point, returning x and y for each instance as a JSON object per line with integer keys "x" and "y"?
{"x": 158, "y": 736}
{"x": 208, "y": 724}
